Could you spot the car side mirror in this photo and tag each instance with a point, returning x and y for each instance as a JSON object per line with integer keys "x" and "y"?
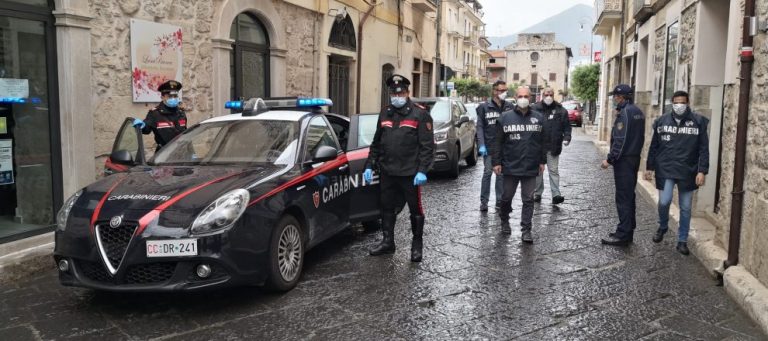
{"x": 325, "y": 153}
{"x": 122, "y": 157}
{"x": 462, "y": 120}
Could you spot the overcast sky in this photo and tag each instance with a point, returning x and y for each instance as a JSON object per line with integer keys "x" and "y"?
{"x": 503, "y": 17}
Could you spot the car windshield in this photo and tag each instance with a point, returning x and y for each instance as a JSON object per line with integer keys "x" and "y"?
{"x": 570, "y": 106}
{"x": 233, "y": 143}
{"x": 367, "y": 128}
{"x": 440, "y": 110}
{"x": 471, "y": 110}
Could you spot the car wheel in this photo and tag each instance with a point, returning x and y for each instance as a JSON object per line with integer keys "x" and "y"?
{"x": 286, "y": 255}
{"x": 453, "y": 173}
{"x": 472, "y": 157}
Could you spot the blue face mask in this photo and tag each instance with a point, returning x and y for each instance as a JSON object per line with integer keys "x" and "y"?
{"x": 172, "y": 102}
{"x": 398, "y": 102}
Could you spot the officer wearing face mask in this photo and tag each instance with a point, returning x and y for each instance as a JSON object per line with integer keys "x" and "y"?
{"x": 403, "y": 151}
{"x": 679, "y": 155}
{"x": 627, "y": 138}
{"x": 487, "y": 115}
{"x": 166, "y": 120}
{"x": 558, "y": 135}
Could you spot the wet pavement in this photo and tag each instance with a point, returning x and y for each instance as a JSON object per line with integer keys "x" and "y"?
{"x": 473, "y": 284}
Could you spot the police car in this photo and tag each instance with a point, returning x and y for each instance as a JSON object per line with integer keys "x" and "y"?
{"x": 234, "y": 200}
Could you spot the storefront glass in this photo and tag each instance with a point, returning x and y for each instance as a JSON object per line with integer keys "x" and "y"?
{"x": 26, "y": 172}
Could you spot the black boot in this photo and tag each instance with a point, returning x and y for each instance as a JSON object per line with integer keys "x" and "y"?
{"x": 387, "y": 245}
{"x": 417, "y": 226}
{"x": 506, "y": 209}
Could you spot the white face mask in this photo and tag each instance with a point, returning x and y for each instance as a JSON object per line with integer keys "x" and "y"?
{"x": 523, "y": 103}
{"x": 502, "y": 96}
{"x": 548, "y": 100}
{"x": 679, "y": 108}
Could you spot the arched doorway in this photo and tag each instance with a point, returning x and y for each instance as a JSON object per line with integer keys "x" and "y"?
{"x": 342, "y": 37}
{"x": 387, "y": 70}
{"x": 249, "y": 60}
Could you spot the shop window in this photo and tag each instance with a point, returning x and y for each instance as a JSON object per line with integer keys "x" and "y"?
{"x": 249, "y": 60}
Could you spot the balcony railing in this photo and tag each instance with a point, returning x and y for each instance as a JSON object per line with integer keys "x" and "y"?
{"x": 643, "y": 10}
{"x": 608, "y": 13}
{"x": 426, "y": 6}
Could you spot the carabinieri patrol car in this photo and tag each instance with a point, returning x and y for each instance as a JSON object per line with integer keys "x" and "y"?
{"x": 234, "y": 200}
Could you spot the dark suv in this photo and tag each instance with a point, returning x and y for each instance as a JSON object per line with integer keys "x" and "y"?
{"x": 454, "y": 133}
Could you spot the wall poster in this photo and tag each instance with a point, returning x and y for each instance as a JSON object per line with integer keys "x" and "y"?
{"x": 156, "y": 57}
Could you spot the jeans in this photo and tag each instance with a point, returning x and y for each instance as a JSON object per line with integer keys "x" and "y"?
{"x": 485, "y": 187}
{"x": 625, "y": 177}
{"x": 685, "y": 200}
{"x": 527, "y": 187}
{"x": 553, "y": 162}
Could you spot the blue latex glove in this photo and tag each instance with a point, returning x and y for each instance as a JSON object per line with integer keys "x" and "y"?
{"x": 420, "y": 179}
{"x": 483, "y": 151}
{"x": 368, "y": 175}
{"x": 138, "y": 123}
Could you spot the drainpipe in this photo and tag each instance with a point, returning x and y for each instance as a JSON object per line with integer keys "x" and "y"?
{"x": 360, "y": 54}
{"x": 737, "y": 202}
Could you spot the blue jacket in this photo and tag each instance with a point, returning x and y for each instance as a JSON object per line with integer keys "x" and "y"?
{"x": 487, "y": 114}
{"x": 628, "y": 133}
{"x": 519, "y": 146}
{"x": 679, "y": 151}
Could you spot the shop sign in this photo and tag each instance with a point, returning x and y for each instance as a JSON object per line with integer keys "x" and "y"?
{"x": 6, "y": 162}
{"x": 156, "y": 57}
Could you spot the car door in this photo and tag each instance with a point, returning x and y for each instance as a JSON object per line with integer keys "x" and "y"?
{"x": 461, "y": 130}
{"x": 330, "y": 185}
{"x": 127, "y": 150}
{"x": 365, "y": 198}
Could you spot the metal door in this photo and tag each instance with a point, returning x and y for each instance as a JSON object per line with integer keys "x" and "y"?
{"x": 338, "y": 85}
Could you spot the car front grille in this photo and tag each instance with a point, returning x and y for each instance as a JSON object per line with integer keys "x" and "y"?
{"x": 95, "y": 271}
{"x": 150, "y": 273}
{"x": 113, "y": 241}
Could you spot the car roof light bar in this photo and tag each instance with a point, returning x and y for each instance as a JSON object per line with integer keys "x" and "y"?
{"x": 255, "y": 106}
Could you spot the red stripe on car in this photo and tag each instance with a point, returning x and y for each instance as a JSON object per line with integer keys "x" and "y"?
{"x": 152, "y": 215}
{"x": 338, "y": 162}
{"x": 97, "y": 210}
{"x": 358, "y": 154}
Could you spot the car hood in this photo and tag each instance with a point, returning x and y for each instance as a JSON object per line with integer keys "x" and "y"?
{"x": 183, "y": 190}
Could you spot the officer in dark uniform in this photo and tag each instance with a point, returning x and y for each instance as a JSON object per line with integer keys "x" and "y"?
{"x": 627, "y": 138}
{"x": 403, "y": 151}
{"x": 679, "y": 155}
{"x": 487, "y": 115}
{"x": 520, "y": 155}
{"x": 166, "y": 120}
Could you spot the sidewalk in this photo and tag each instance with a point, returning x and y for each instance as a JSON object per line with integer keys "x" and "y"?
{"x": 742, "y": 286}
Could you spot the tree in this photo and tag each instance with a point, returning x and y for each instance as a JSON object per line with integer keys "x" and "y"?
{"x": 470, "y": 88}
{"x": 584, "y": 84}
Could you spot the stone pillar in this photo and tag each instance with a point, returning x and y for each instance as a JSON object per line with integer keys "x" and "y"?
{"x": 277, "y": 70}
{"x": 222, "y": 48}
{"x": 73, "y": 51}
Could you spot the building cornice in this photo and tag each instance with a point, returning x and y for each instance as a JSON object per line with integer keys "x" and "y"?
{"x": 65, "y": 19}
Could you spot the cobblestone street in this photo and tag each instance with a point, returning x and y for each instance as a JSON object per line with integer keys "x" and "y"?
{"x": 474, "y": 283}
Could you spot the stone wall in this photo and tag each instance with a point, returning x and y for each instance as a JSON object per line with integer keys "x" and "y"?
{"x": 301, "y": 41}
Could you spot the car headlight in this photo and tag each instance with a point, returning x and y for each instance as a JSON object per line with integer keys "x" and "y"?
{"x": 441, "y": 135}
{"x": 222, "y": 213}
{"x": 63, "y": 215}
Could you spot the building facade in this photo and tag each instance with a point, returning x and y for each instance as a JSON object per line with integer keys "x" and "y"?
{"x": 463, "y": 39}
{"x": 538, "y": 61}
{"x": 694, "y": 45}
{"x": 69, "y": 62}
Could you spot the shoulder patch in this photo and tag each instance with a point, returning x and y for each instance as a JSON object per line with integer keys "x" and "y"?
{"x": 620, "y": 125}
{"x": 429, "y": 126}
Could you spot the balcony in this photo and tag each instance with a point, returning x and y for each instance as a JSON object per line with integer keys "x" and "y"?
{"x": 608, "y": 14}
{"x": 426, "y": 6}
{"x": 643, "y": 10}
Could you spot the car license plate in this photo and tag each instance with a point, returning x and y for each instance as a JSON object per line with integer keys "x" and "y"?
{"x": 172, "y": 248}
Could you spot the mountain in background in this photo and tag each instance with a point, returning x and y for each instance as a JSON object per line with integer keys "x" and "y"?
{"x": 566, "y": 26}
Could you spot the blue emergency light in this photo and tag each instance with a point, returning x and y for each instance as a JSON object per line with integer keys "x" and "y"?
{"x": 233, "y": 105}
{"x": 255, "y": 106}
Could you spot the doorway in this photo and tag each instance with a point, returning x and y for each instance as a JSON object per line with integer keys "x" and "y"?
{"x": 338, "y": 84}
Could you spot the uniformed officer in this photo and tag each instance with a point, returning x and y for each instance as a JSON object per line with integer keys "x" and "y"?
{"x": 627, "y": 138}
{"x": 520, "y": 155}
{"x": 487, "y": 115}
{"x": 558, "y": 129}
{"x": 679, "y": 155}
{"x": 403, "y": 151}
{"x": 166, "y": 120}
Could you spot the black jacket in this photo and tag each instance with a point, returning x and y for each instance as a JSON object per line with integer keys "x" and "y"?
{"x": 403, "y": 144}
{"x": 487, "y": 114}
{"x": 679, "y": 151}
{"x": 627, "y": 134}
{"x": 519, "y": 147}
{"x": 165, "y": 122}
{"x": 557, "y": 126}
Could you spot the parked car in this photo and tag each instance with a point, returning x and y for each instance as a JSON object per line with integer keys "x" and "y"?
{"x": 574, "y": 112}
{"x": 454, "y": 134}
{"x": 235, "y": 200}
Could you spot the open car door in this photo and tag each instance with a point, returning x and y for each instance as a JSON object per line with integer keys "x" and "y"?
{"x": 127, "y": 150}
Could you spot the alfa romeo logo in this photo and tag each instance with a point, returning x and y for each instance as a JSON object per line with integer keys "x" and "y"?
{"x": 115, "y": 221}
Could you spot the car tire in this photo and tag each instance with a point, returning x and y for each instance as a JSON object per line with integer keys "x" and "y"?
{"x": 286, "y": 255}
{"x": 472, "y": 157}
{"x": 453, "y": 173}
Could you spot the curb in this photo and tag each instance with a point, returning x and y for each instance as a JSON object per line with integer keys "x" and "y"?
{"x": 26, "y": 257}
{"x": 742, "y": 286}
